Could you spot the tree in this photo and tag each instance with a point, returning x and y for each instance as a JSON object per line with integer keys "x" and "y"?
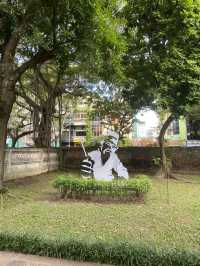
{"x": 40, "y": 89}
{"x": 20, "y": 122}
{"x": 164, "y": 56}
{"x": 114, "y": 111}
{"x": 33, "y": 32}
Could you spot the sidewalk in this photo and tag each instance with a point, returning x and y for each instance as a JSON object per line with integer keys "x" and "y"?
{"x": 14, "y": 259}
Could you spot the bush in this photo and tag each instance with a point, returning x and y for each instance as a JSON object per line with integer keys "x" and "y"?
{"x": 116, "y": 253}
{"x": 70, "y": 186}
{"x": 3, "y": 190}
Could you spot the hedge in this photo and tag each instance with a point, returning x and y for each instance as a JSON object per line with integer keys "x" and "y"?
{"x": 70, "y": 186}
{"x": 116, "y": 253}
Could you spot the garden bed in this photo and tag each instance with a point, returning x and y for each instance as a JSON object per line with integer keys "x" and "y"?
{"x": 71, "y": 187}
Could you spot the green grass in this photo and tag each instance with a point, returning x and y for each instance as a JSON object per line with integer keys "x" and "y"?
{"x": 31, "y": 208}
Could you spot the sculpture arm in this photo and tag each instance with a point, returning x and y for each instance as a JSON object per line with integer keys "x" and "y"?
{"x": 120, "y": 169}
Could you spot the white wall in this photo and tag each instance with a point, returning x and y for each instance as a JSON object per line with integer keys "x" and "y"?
{"x": 24, "y": 162}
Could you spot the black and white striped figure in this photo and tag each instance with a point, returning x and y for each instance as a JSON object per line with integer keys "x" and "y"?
{"x": 87, "y": 168}
{"x": 100, "y": 163}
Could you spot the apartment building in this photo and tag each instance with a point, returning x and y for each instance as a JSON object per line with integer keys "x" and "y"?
{"x": 77, "y": 127}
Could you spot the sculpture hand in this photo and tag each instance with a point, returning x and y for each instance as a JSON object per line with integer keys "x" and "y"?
{"x": 87, "y": 168}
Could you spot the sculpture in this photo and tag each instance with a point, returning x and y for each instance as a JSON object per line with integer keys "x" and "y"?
{"x": 100, "y": 163}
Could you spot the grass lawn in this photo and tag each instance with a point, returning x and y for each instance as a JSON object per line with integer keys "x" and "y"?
{"x": 31, "y": 207}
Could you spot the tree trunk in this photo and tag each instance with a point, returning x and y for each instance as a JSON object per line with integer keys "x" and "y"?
{"x": 14, "y": 142}
{"x": 7, "y": 99}
{"x": 60, "y": 119}
{"x": 3, "y": 133}
{"x": 164, "y": 164}
{"x": 23, "y": 134}
{"x": 3, "y": 128}
{"x": 43, "y": 139}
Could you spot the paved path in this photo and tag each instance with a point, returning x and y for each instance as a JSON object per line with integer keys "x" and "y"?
{"x": 14, "y": 259}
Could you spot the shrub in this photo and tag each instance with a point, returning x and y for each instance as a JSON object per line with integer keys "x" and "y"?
{"x": 70, "y": 186}
{"x": 116, "y": 253}
{"x": 3, "y": 190}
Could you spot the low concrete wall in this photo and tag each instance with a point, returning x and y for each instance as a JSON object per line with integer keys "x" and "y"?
{"x": 183, "y": 158}
{"x": 24, "y": 162}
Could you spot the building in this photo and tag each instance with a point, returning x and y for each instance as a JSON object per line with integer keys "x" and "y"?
{"x": 176, "y": 134}
{"x": 147, "y": 127}
{"x": 74, "y": 128}
{"x": 193, "y": 130}
{"x": 78, "y": 128}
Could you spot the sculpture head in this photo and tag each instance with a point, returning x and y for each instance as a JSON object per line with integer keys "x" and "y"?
{"x": 110, "y": 144}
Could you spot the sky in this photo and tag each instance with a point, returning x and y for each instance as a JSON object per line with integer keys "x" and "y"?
{"x": 148, "y": 123}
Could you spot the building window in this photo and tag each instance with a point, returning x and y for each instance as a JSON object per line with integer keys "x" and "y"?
{"x": 80, "y": 133}
{"x": 96, "y": 128}
{"x": 79, "y": 116}
{"x": 83, "y": 116}
{"x": 193, "y": 128}
{"x": 174, "y": 128}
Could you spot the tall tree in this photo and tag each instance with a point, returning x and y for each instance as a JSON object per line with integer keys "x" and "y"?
{"x": 164, "y": 55}
{"x": 113, "y": 109}
{"x": 34, "y": 31}
{"x": 40, "y": 89}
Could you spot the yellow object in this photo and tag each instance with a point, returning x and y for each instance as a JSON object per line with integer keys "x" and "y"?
{"x": 77, "y": 140}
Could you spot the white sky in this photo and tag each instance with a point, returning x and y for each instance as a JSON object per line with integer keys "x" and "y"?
{"x": 149, "y": 122}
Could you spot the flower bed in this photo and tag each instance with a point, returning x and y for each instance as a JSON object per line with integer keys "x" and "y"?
{"x": 78, "y": 188}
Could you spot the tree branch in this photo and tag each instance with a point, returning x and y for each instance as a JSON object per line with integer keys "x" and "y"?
{"x": 29, "y": 100}
{"x": 39, "y": 58}
{"x": 20, "y": 136}
{"x": 10, "y": 47}
{"x": 46, "y": 83}
{"x": 23, "y": 106}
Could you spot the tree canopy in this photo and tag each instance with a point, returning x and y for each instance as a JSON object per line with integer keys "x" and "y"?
{"x": 70, "y": 32}
{"x": 148, "y": 49}
{"x": 163, "y": 56}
